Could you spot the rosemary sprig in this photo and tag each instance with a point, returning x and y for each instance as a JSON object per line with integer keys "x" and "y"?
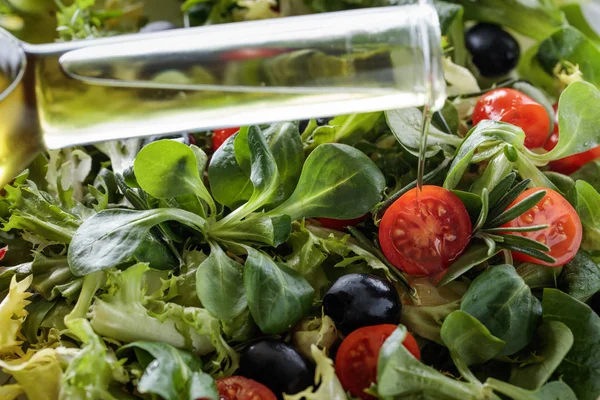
{"x": 493, "y": 237}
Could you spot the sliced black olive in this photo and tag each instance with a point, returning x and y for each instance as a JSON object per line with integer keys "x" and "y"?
{"x": 495, "y": 52}
{"x": 158, "y": 26}
{"x": 358, "y": 300}
{"x": 277, "y": 365}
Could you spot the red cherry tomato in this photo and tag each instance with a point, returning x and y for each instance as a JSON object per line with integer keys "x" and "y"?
{"x": 424, "y": 238}
{"x": 357, "y": 356}
{"x": 240, "y": 388}
{"x": 221, "y": 135}
{"x": 570, "y": 164}
{"x": 564, "y": 233}
{"x": 514, "y": 107}
{"x": 341, "y": 224}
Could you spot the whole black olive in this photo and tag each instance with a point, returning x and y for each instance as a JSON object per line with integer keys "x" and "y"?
{"x": 595, "y": 303}
{"x": 358, "y": 300}
{"x": 277, "y": 365}
{"x": 158, "y": 26}
{"x": 495, "y": 52}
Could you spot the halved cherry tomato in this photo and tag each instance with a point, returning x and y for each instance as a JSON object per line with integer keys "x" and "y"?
{"x": 3, "y": 251}
{"x": 356, "y": 359}
{"x": 570, "y": 164}
{"x": 564, "y": 233}
{"x": 424, "y": 238}
{"x": 514, "y": 107}
{"x": 240, "y": 388}
{"x": 341, "y": 224}
{"x": 221, "y": 135}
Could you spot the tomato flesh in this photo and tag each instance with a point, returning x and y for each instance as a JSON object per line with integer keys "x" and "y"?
{"x": 356, "y": 359}
{"x": 221, "y": 135}
{"x": 240, "y": 388}
{"x": 514, "y": 107}
{"x": 424, "y": 238}
{"x": 564, "y": 233}
{"x": 341, "y": 224}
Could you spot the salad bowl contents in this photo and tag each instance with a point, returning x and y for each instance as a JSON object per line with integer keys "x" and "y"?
{"x": 302, "y": 259}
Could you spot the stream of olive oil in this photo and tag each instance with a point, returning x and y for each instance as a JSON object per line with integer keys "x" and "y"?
{"x": 427, "y": 114}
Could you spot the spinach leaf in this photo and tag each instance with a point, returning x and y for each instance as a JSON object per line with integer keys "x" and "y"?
{"x": 556, "y": 390}
{"x": 587, "y": 205}
{"x": 337, "y": 181}
{"x": 577, "y": 120}
{"x": 580, "y": 277}
{"x": 171, "y": 373}
{"x": 277, "y": 296}
{"x": 534, "y": 18}
{"x": 220, "y": 285}
{"x": 257, "y": 228}
{"x": 399, "y": 373}
{"x": 538, "y": 276}
{"x": 581, "y": 366}
{"x": 468, "y": 339}
{"x": 554, "y": 340}
{"x": 229, "y": 169}
{"x": 500, "y": 300}
{"x": 406, "y": 126}
{"x": 348, "y": 129}
{"x": 575, "y": 14}
{"x": 167, "y": 169}
{"x": 113, "y": 237}
{"x": 486, "y": 132}
{"x": 590, "y": 173}
{"x": 229, "y": 183}
{"x": 569, "y": 44}
{"x": 427, "y": 321}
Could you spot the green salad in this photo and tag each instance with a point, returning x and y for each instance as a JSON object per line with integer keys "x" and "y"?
{"x": 300, "y": 260}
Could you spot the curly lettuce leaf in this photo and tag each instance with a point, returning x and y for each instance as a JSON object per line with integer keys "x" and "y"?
{"x": 12, "y": 315}
{"x": 38, "y": 374}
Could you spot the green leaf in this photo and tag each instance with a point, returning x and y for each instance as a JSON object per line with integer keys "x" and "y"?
{"x": 500, "y": 299}
{"x": 569, "y": 44}
{"x": 167, "y": 169}
{"x": 588, "y": 208}
{"x": 285, "y": 144}
{"x": 578, "y": 121}
{"x": 348, "y": 129}
{"x": 426, "y": 321}
{"x": 474, "y": 255}
{"x": 229, "y": 183}
{"x": 590, "y": 173}
{"x": 580, "y": 277}
{"x": 497, "y": 169}
{"x": 400, "y": 373}
{"x": 556, "y": 390}
{"x": 469, "y": 339}
{"x": 581, "y": 366}
{"x": 220, "y": 285}
{"x": 406, "y": 125}
{"x": 576, "y": 17}
{"x": 277, "y": 296}
{"x": 486, "y": 132}
{"x": 554, "y": 340}
{"x": 337, "y": 181}
{"x": 91, "y": 371}
{"x": 538, "y": 276}
{"x": 115, "y": 236}
{"x": 172, "y": 374}
{"x": 472, "y": 203}
{"x": 534, "y": 18}
{"x": 257, "y": 229}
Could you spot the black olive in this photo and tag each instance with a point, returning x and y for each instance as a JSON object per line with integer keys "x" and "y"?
{"x": 358, "y": 300}
{"x": 320, "y": 122}
{"x": 595, "y": 303}
{"x": 495, "y": 52}
{"x": 277, "y": 365}
{"x": 198, "y": 14}
{"x": 158, "y": 26}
